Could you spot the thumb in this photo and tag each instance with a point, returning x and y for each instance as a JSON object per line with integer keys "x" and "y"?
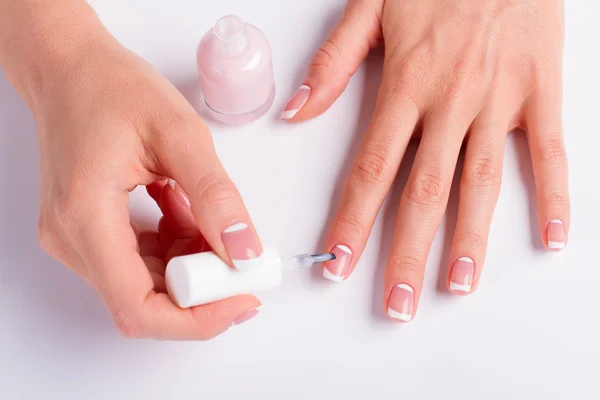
{"x": 336, "y": 60}
{"x": 189, "y": 158}
{"x": 108, "y": 247}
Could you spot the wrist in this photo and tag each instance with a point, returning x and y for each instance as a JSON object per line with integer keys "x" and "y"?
{"x": 42, "y": 42}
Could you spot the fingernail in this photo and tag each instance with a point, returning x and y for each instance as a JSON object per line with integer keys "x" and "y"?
{"x": 296, "y": 102}
{"x": 337, "y": 270}
{"x": 242, "y": 246}
{"x": 402, "y": 302}
{"x": 245, "y": 316}
{"x": 461, "y": 279}
{"x": 556, "y": 235}
{"x": 179, "y": 192}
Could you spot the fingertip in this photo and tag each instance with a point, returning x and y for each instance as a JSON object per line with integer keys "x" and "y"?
{"x": 555, "y": 235}
{"x": 228, "y": 312}
{"x": 334, "y": 63}
{"x": 174, "y": 205}
{"x": 401, "y": 303}
{"x": 176, "y": 195}
{"x": 154, "y": 189}
{"x": 164, "y": 320}
{"x": 461, "y": 277}
{"x": 296, "y": 103}
{"x": 340, "y": 268}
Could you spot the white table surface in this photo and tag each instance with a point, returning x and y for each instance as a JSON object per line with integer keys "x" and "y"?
{"x": 532, "y": 331}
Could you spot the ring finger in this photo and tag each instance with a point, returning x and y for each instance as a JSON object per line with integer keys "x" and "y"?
{"x": 422, "y": 207}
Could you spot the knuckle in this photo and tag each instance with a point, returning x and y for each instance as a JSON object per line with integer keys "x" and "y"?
{"x": 405, "y": 78}
{"x": 483, "y": 172}
{"x": 472, "y": 239}
{"x": 407, "y": 265}
{"x": 128, "y": 323}
{"x": 214, "y": 188}
{"x": 409, "y": 71}
{"x": 541, "y": 71}
{"x": 326, "y": 56}
{"x": 351, "y": 225}
{"x": 426, "y": 189}
{"x": 370, "y": 169}
{"x": 552, "y": 151}
{"x": 556, "y": 197}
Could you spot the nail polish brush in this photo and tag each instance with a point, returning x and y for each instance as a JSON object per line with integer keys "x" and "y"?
{"x": 308, "y": 260}
{"x": 202, "y": 278}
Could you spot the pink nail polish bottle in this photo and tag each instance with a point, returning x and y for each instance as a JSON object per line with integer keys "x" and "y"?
{"x": 236, "y": 71}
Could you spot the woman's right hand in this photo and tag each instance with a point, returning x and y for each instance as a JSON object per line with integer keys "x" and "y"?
{"x": 108, "y": 122}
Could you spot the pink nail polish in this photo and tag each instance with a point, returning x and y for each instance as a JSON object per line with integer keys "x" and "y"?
{"x": 556, "y": 235}
{"x": 296, "y": 102}
{"x": 461, "y": 278}
{"x": 242, "y": 246}
{"x": 402, "y": 303}
{"x": 337, "y": 270}
{"x": 246, "y": 316}
{"x": 179, "y": 192}
{"x": 236, "y": 71}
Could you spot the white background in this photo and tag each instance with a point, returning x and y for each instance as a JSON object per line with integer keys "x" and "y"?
{"x": 530, "y": 332}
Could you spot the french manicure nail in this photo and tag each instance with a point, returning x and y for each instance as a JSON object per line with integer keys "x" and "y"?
{"x": 556, "y": 235}
{"x": 179, "y": 192}
{"x": 337, "y": 270}
{"x": 245, "y": 316}
{"x": 461, "y": 278}
{"x": 296, "y": 102}
{"x": 402, "y": 302}
{"x": 242, "y": 246}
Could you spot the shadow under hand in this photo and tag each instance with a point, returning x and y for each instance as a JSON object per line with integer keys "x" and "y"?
{"x": 50, "y": 298}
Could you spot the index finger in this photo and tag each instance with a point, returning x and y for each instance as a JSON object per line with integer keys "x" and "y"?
{"x": 370, "y": 179}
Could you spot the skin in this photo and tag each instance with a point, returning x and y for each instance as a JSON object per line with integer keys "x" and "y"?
{"x": 469, "y": 67}
{"x": 99, "y": 139}
{"x": 456, "y": 73}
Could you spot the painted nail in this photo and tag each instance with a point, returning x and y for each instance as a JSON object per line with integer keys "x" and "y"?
{"x": 296, "y": 102}
{"x": 556, "y": 235}
{"x": 245, "y": 316}
{"x": 337, "y": 270}
{"x": 242, "y": 246}
{"x": 402, "y": 302}
{"x": 179, "y": 192}
{"x": 461, "y": 278}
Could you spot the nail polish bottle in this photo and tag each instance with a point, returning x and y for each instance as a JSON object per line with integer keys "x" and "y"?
{"x": 236, "y": 71}
{"x": 202, "y": 278}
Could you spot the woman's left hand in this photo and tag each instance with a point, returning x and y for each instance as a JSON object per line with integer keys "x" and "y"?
{"x": 455, "y": 71}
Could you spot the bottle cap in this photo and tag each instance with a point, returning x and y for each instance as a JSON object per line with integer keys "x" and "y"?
{"x": 203, "y": 278}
